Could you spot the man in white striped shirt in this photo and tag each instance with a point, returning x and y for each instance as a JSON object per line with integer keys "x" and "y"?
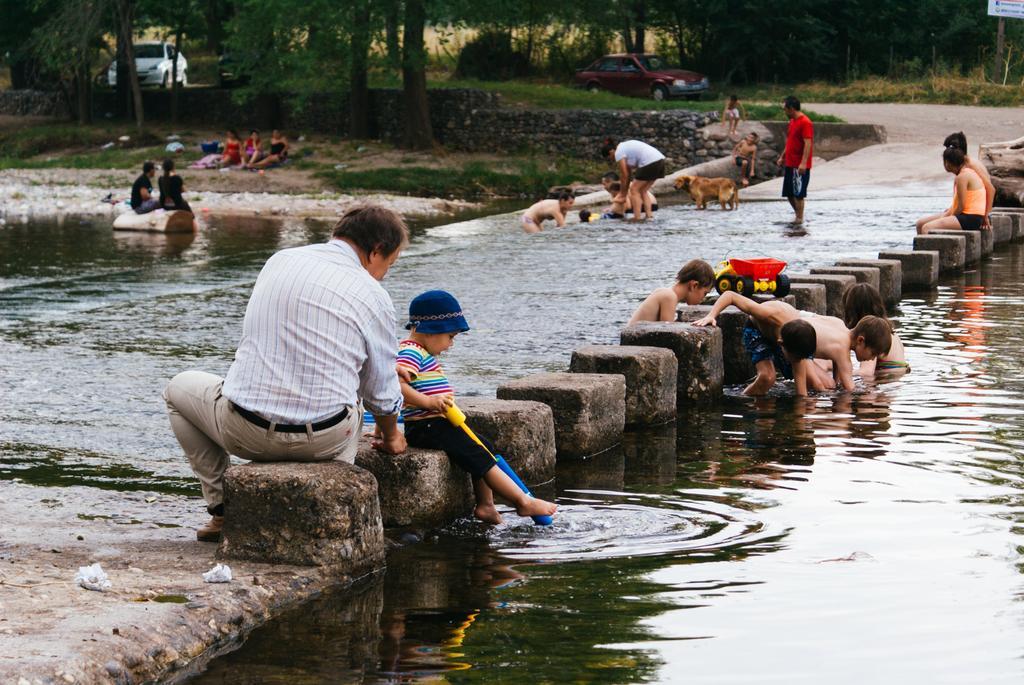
{"x": 318, "y": 338}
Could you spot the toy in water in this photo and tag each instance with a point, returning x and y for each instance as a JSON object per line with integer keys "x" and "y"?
{"x": 458, "y": 419}
{"x": 752, "y": 277}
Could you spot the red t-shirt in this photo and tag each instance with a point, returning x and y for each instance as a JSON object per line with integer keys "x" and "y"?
{"x": 799, "y": 128}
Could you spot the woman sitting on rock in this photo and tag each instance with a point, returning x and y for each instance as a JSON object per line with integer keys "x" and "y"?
{"x": 171, "y": 188}
{"x": 968, "y": 209}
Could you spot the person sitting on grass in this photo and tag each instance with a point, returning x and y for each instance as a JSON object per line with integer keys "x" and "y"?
{"x": 252, "y": 149}
{"x": 278, "y": 152}
{"x": 745, "y": 154}
{"x": 435, "y": 318}
{"x": 232, "y": 150}
{"x": 863, "y": 299}
{"x": 761, "y": 338}
{"x": 693, "y": 283}
{"x": 142, "y": 200}
{"x": 826, "y": 338}
{"x": 969, "y": 203}
{"x": 533, "y": 218}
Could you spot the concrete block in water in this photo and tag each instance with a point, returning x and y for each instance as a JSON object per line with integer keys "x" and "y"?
{"x": 975, "y": 247}
{"x": 698, "y": 351}
{"x": 419, "y": 487}
{"x": 522, "y": 432}
{"x": 864, "y": 274}
{"x": 603, "y": 471}
{"x": 809, "y": 297}
{"x": 951, "y": 248}
{"x": 650, "y": 374}
{"x": 1002, "y": 228}
{"x": 310, "y": 514}
{"x": 589, "y": 408}
{"x": 890, "y": 277}
{"x": 651, "y": 455}
{"x": 835, "y": 285}
{"x": 735, "y": 358}
{"x": 920, "y": 267}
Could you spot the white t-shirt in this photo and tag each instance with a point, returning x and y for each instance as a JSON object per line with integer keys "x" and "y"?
{"x": 637, "y": 153}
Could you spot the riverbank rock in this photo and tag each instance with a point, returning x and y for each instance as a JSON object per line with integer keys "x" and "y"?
{"x": 312, "y": 514}
{"x": 952, "y": 250}
{"x": 890, "y": 277}
{"x": 589, "y": 409}
{"x": 920, "y": 267}
{"x": 650, "y": 374}
{"x": 419, "y": 487}
{"x": 737, "y": 366}
{"x": 522, "y": 432}
{"x": 698, "y": 352}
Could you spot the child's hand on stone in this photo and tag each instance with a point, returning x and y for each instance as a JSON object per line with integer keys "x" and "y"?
{"x": 705, "y": 321}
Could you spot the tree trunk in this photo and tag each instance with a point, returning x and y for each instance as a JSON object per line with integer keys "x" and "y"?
{"x": 627, "y": 37}
{"x": 83, "y": 88}
{"x": 418, "y": 134}
{"x": 126, "y": 9}
{"x": 394, "y": 47}
{"x": 640, "y": 19}
{"x": 359, "y": 94}
{"x": 174, "y": 77}
{"x": 214, "y": 25}
{"x": 122, "y": 88}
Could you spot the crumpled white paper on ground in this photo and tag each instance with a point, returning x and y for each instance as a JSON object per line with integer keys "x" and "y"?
{"x": 221, "y": 573}
{"x": 93, "y": 578}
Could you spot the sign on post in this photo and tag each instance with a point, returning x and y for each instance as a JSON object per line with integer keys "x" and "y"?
{"x": 1013, "y": 9}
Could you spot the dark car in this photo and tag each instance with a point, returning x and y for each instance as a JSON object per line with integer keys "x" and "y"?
{"x": 641, "y": 75}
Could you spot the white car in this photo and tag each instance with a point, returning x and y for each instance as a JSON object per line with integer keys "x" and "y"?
{"x": 154, "y": 63}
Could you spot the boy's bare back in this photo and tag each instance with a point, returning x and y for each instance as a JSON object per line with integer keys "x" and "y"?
{"x": 660, "y": 305}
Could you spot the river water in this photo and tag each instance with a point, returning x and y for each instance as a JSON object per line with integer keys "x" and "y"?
{"x": 873, "y": 535}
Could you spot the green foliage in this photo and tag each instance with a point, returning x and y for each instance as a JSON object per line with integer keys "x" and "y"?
{"x": 490, "y": 56}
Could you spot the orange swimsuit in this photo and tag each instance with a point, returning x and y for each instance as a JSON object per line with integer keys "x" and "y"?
{"x": 974, "y": 200}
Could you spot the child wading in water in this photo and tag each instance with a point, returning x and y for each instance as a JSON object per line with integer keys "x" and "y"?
{"x": 863, "y": 299}
{"x": 693, "y": 282}
{"x": 533, "y": 218}
{"x": 435, "y": 318}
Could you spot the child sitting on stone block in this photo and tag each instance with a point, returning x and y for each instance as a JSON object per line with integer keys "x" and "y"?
{"x": 435, "y": 318}
{"x": 693, "y": 283}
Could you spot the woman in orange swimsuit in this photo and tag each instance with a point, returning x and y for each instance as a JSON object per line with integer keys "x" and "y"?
{"x": 968, "y": 209}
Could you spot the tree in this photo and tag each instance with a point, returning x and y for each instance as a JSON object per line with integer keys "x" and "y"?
{"x": 418, "y": 134}
{"x": 359, "y": 93}
{"x": 126, "y": 28}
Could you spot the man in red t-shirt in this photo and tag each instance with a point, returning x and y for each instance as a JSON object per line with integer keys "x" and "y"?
{"x": 796, "y": 159}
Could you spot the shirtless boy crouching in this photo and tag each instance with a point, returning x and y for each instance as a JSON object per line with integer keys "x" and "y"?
{"x": 827, "y": 338}
{"x": 533, "y": 218}
{"x": 762, "y": 340}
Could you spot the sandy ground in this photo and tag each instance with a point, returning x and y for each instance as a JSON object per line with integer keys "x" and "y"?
{"x": 912, "y": 153}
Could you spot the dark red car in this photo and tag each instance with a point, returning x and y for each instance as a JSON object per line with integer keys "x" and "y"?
{"x": 642, "y": 76}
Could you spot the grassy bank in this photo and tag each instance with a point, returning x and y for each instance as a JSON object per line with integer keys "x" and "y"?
{"x": 471, "y": 180}
{"x": 74, "y": 147}
{"x": 940, "y": 89}
{"x": 545, "y": 95}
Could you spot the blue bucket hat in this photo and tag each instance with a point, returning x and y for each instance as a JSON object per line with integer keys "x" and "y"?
{"x": 436, "y": 311}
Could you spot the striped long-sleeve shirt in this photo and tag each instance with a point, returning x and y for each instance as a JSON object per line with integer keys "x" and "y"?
{"x": 318, "y": 335}
{"x": 430, "y": 378}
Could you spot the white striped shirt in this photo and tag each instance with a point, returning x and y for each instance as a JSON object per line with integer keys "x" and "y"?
{"x": 318, "y": 335}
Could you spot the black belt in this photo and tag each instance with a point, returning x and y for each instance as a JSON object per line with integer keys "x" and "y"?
{"x": 288, "y": 427}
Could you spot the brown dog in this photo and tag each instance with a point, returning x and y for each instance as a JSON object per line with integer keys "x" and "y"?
{"x": 702, "y": 189}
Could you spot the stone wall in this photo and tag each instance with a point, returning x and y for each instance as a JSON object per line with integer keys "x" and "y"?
{"x": 24, "y": 103}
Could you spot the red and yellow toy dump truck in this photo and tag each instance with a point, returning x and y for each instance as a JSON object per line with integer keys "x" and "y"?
{"x": 752, "y": 277}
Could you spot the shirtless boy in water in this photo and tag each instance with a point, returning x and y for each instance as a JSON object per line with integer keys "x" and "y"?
{"x": 762, "y": 337}
{"x": 693, "y": 282}
{"x": 828, "y": 339}
{"x": 533, "y": 218}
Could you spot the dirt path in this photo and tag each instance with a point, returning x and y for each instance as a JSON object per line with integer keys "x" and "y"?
{"x": 930, "y": 124}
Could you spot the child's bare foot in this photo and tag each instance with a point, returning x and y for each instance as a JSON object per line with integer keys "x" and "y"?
{"x": 488, "y": 514}
{"x": 536, "y": 507}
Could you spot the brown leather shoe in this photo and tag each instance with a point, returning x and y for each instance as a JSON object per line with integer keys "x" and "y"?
{"x": 211, "y": 531}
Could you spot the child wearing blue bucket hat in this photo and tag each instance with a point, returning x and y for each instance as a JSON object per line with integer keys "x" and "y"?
{"x": 435, "y": 318}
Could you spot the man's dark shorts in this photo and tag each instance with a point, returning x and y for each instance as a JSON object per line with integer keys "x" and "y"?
{"x": 761, "y": 348}
{"x": 794, "y": 184}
